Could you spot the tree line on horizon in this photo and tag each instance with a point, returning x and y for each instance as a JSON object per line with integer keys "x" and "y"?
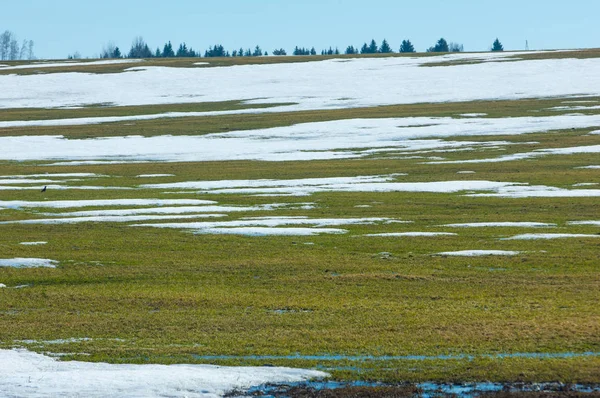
{"x": 11, "y": 50}
{"x": 140, "y": 49}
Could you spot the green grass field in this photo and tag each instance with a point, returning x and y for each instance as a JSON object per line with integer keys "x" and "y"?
{"x": 151, "y": 295}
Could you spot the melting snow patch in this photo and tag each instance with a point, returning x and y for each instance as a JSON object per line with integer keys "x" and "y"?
{"x": 588, "y": 167}
{"x": 54, "y": 175}
{"x": 502, "y": 224}
{"x": 585, "y": 184}
{"x": 303, "y": 187}
{"x": 28, "y": 263}
{"x": 473, "y": 114}
{"x": 258, "y": 226}
{"x": 266, "y": 231}
{"x": 537, "y": 191}
{"x": 25, "y": 373}
{"x": 62, "y": 204}
{"x": 549, "y": 236}
{"x": 2, "y": 285}
{"x": 75, "y": 220}
{"x": 594, "y": 223}
{"x": 400, "y": 234}
{"x": 474, "y": 253}
{"x": 528, "y": 155}
{"x": 154, "y": 175}
{"x": 338, "y": 139}
{"x": 32, "y": 243}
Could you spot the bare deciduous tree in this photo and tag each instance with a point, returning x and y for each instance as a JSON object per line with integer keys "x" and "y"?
{"x": 5, "y": 40}
{"x": 23, "y": 51}
{"x": 139, "y": 49}
{"x": 14, "y": 50}
{"x": 30, "y": 54}
{"x": 109, "y": 50}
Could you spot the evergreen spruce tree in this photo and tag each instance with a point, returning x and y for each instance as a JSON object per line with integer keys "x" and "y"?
{"x": 337, "y": 51}
{"x": 241, "y": 52}
{"x": 168, "y": 50}
{"x": 257, "y": 52}
{"x": 313, "y": 51}
{"x": 158, "y": 54}
{"x": 117, "y": 53}
{"x": 497, "y": 46}
{"x": 373, "y": 47}
{"x": 385, "y": 47}
{"x": 440, "y": 47}
{"x": 351, "y": 50}
{"x": 407, "y": 47}
{"x": 364, "y": 49}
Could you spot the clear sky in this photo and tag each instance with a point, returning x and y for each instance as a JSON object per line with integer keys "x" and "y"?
{"x": 61, "y": 27}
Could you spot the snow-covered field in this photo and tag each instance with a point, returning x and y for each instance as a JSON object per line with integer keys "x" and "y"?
{"x": 347, "y": 83}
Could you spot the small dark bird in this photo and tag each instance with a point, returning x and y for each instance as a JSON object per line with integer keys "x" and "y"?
{"x": 44, "y": 189}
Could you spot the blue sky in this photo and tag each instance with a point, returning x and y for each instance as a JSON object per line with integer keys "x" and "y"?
{"x": 61, "y": 27}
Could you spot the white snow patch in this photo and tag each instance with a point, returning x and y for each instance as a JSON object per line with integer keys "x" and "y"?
{"x": 474, "y": 253}
{"x": 589, "y": 167}
{"x": 585, "y": 184}
{"x": 53, "y": 175}
{"x": 201, "y": 63}
{"x": 528, "y": 155}
{"x": 262, "y": 225}
{"x": 27, "y": 181}
{"x": 25, "y": 373}
{"x": 75, "y": 220}
{"x": 549, "y": 236}
{"x": 60, "y": 187}
{"x": 574, "y": 108}
{"x": 62, "y": 204}
{"x": 178, "y": 210}
{"x": 2, "y": 285}
{"x": 465, "y": 172}
{"x": 28, "y": 263}
{"x": 57, "y": 341}
{"x": 32, "y": 243}
{"x": 268, "y": 231}
{"x": 303, "y": 187}
{"x": 589, "y": 222}
{"x": 154, "y": 175}
{"x": 415, "y": 234}
{"x": 473, "y": 114}
{"x": 502, "y": 224}
{"x": 308, "y": 141}
{"x": 537, "y": 191}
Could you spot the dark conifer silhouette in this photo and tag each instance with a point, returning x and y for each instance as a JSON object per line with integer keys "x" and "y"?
{"x": 407, "y": 47}
{"x": 385, "y": 47}
{"x": 497, "y": 46}
{"x": 440, "y": 47}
